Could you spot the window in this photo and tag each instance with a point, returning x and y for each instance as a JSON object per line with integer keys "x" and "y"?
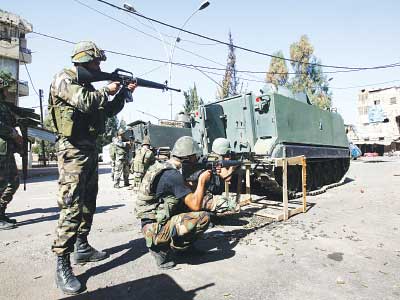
{"x": 377, "y": 102}
{"x": 393, "y": 100}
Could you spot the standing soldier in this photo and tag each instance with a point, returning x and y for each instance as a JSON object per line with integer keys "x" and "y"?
{"x": 122, "y": 149}
{"x": 10, "y": 142}
{"x": 144, "y": 157}
{"x": 111, "y": 150}
{"x": 79, "y": 113}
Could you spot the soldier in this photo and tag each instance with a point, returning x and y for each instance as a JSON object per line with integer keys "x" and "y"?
{"x": 172, "y": 215}
{"x": 122, "y": 149}
{"x": 221, "y": 149}
{"x": 111, "y": 150}
{"x": 144, "y": 157}
{"x": 10, "y": 142}
{"x": 79, "y": 113}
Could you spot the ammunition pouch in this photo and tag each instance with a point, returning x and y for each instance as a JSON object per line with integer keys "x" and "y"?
{"x": 69, "y": 122}
{"x": 63, "y": 119}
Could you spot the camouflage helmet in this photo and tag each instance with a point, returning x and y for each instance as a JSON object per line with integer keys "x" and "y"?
{"x": 185, "y": 146}
{"x": 146, "y": 140}
{"x": 86, "y": 51}
{"x": 221, "y": 146}
{"x": 6, "y": 80}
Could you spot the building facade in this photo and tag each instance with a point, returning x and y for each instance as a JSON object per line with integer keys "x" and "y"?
{"x": 378, "y": 124}
{"x": 14, "y": 51}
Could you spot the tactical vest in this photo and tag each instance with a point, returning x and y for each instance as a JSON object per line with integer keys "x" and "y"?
{"x": 143, "y": 159}
{"x": 147, "y": 204}
{"x": 69, "y": 121}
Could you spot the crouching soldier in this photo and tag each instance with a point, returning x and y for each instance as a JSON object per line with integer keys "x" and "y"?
{"x": 173, "y": 215}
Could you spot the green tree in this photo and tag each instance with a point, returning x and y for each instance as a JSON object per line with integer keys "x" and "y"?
{"x": 230, "y": 82}
{"x": 192, "y": 100}
{"x": 278, "y": 70}
{"x": 309, "y": 75}
{"x": 48, "y": 147}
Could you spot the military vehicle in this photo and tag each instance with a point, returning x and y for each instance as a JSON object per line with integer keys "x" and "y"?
{"x": 274, "y": 123}
{"x": 162, "y": 135}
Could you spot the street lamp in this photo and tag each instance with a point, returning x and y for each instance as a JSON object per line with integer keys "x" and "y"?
{"x": 130, "y": 8}
{"x": 202, "y": 6}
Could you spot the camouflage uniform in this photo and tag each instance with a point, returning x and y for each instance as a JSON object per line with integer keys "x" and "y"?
{"x": 79, "y": 113}
{"x": 144, "y": 157}
{"x": 167, "y": 220}
{"x": 112, "y": 158}
{"x": 9, "y": 179}
{"x": 121, "y": 169}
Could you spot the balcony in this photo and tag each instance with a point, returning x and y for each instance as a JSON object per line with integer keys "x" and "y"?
{"x": 23, "y": 88}
{"x": 25, "y": 55}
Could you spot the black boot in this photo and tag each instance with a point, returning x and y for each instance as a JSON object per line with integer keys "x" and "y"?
{"x": 85, "y": 253}
{"x": 5, "y": 222}
{"x": 65, "y": 278}
{"x": 163, "y": 258}
{"x": 116, "y": 184}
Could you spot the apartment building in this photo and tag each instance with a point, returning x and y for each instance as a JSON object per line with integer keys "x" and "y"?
{"x": 14, "y": 51}
{"x": 378, "y": 124}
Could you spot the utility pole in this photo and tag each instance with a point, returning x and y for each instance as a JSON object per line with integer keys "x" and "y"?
{"x": 42, "y": 122}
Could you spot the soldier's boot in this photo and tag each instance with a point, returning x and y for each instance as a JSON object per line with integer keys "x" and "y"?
{"x": 85, "y": 253}
{"x": 5, "y": 222}
{"x": 162, "y": 256}
{"x": 116, "y": 184}
{"x": 65, "y": 278}
{"x": 126, "y": 183}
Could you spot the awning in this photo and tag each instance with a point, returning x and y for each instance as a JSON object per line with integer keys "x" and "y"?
{"x": 41, "y": 134}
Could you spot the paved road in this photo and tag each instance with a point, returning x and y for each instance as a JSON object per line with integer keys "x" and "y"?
{"x": 346, "y": 247}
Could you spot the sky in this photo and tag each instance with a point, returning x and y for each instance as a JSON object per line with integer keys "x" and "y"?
{"x": 344, "y": 33}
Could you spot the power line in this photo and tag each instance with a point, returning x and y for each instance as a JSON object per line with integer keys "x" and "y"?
{"x": 30, "y": 79}
{"x": 145, "y": 33}
{"x": 207, "y": 67}
{"x": 365, "y": 85}
{"x": 244, "y": 48}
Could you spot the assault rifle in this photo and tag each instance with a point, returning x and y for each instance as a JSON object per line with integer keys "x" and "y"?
{"x": 25, "y": 117}
{"x": 124, "y": 77}
{"x": 192, "y": 173}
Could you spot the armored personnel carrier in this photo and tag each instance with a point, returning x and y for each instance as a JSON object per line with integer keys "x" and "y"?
{"x": 274, "y": 123}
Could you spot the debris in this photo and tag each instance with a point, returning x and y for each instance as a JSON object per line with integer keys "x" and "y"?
{"x": 337, "y": 256}
{"x": 227, "y": 294}
{"x": 361, "y": 191}
{"x": 37, "y": 277}
{"x": 384, "y": 273}
{"x": 340, "y": 280}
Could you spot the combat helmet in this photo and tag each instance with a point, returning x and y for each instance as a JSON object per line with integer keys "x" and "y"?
{"x": 86, "y": 51}
{"x": 6, "y": 80}
{"x": 146, "y": 140}
{"x": 120, "y": 131}
{"x": 185, "y": 146}
{"x": 221, "y": 146}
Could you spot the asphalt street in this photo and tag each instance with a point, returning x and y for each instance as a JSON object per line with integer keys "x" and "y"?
{"x": 347, "y": 246}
